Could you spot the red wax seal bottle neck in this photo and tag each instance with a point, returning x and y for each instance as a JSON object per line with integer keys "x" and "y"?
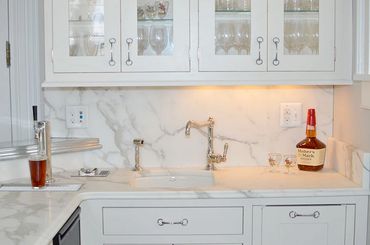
{"x": 311, "y": 117}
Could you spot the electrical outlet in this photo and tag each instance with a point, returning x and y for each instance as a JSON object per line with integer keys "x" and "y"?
{"x": 77, "y": 116}
{"x": 290, "y": 115}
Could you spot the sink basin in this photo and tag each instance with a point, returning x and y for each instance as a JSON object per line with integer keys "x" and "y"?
{"x": 173, "y": 178}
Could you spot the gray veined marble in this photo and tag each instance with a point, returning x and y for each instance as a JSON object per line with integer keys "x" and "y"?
{"x": 245, "y": 117}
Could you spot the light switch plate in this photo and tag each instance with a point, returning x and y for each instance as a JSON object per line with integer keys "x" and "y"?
{"x": 77, "y": 116}
{"x": 290, "y": 115}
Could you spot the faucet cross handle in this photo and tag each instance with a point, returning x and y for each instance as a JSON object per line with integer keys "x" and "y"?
{"x": 138, "y": 143}
{"x": 226, "y": 148}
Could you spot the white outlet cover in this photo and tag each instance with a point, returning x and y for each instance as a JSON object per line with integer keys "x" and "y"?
{"x": 77, "y": 116}
{"x": 290, "y": 115}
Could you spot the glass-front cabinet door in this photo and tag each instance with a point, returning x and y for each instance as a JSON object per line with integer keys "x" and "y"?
{"x": 155, "y": 35}
{"x": 232, "y": 35}
{"x": 301, "y": 35}
{"x": 86, "y": 35}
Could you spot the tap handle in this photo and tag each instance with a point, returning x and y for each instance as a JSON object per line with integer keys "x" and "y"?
{"x": 226, "y": 148}
{"x": 34, "y": 112}
{"x": 138, "y": 141}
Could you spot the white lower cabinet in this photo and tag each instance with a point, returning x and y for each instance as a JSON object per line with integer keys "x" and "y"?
{"x": 304, "y": 225}
{"x": 259, "y": 221}
{"x": 159, "y": 222}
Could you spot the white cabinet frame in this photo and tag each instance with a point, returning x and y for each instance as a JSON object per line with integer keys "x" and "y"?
{"x": 341, "y": 75}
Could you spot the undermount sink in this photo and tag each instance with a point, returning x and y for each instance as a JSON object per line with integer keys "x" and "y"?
{"x": 173, "y": 178}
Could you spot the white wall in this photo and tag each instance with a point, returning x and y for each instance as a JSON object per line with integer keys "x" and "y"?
{"x": 351, "y": 122}
{"x": 246, "y": 117}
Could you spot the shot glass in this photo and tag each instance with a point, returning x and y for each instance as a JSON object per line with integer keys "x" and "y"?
{"x": 290, "y": 161}
{"x": 274, "y": 161}
{"x": 37, "y": 165}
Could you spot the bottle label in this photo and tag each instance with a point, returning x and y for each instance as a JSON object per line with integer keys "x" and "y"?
{"x": 310, "y": 157}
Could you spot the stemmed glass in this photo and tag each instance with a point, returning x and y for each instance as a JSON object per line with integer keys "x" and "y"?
{"x": 226, "y": 35}
{"x": 162, "y": 8}
{"x": 289, "y": 162}
{"x": 312, "y": 35}
{"x": 158, "y": 38}
{"x": 242, "y": 37}
{"x": 289, "y": 36}
{"x": 274, "y": 160}
{"x": 142, "y": 39}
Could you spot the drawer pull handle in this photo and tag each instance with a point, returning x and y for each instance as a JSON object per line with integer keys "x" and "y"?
{"x": 183, "y": 222}
{"x": 293, "y": 215}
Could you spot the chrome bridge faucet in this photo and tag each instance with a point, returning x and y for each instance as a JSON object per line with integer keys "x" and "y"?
{"x": 212, "y": 158}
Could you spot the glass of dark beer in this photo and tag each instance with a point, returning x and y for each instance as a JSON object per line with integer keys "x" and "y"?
{"x": 37, "y": 170}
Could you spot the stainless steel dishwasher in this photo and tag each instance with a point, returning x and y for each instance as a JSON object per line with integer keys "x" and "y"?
{"x": 69, "y": 234}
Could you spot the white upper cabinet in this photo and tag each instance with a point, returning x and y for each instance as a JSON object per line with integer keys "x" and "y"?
{"x": 301, "y": 35}
{"x": 86, "y": 35}
{"x": 298, "y": 35}
{"x": 155, "y": 35}
{"x": 232, "y": 35}
{"x": 197, "y": 42}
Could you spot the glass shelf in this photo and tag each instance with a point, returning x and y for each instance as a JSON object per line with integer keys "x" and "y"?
{"x": 301, "y": 11}
{"x": 233, "y": 11}
{"x": 95, "y": 22}
{"x": 154, "y": 20}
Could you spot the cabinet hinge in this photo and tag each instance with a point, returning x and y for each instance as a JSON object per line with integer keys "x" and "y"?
{"x": 52, "y": 56}
{"x": 335, "y": 54}
{"x": 198, "y": 53}
{"x": 7, "y": 51}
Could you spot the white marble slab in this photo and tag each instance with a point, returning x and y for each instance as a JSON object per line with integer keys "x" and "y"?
{"x": 35, "y": 217}
{"x": 246, "y": 117}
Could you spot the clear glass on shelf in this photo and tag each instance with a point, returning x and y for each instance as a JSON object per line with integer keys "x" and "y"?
{"x": 232, "y": 27}
{"x": 86, "y": 27}
{"x": 155, "y": 27}
{"x": 301, "y": 27}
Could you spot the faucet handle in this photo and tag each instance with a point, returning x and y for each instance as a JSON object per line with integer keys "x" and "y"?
{"x": 226, "y": 148}
{"x": 138, "y": 141}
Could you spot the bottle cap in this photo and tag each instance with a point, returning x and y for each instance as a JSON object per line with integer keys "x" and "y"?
{"x": 311, "y": 117}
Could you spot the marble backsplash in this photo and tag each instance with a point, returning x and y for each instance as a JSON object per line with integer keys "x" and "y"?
{"x": 248, "y": 118}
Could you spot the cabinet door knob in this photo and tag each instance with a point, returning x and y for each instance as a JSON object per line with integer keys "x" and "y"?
{"x": 294, "y": 214}
{"x": 259, "y": 61}
{"x": 129, "y": 61}
{"x": 112, "y": 41}
{"x": 276, "y": 41}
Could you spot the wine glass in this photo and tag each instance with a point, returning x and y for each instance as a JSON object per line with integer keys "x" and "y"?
{"x": 290, "y": 161}
{"x": 150, "y": 11}
{"x": 312, "y": 35}
{"x": 289, "y": 34}
{"x": 162, "y": 8}
{"x": 90, "y": 46}
{"x": 158, "y": 38}
{"x": 274, "y": 160}
{"x": 142, "y": 39}
{"x": 242, "y": 37}
{"x": 226, "y": 35}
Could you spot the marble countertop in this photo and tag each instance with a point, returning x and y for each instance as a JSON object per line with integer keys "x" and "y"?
{"x": 35, "y": 217}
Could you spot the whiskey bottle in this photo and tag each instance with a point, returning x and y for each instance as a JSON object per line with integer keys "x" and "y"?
{"x": 311, "y": 151}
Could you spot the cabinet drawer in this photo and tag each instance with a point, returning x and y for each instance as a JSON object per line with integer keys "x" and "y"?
{"x": 304, "y": 225}
{"x": 173, "y": 221}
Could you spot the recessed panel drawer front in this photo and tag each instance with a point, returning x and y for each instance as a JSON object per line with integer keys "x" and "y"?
{"x": 173, "y": 221}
